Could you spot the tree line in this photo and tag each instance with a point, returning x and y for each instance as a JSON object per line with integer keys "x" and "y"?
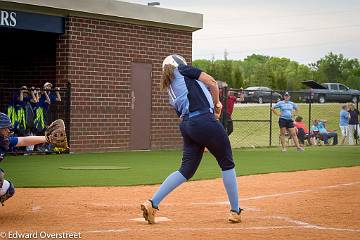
{"x": 282, "y": 73}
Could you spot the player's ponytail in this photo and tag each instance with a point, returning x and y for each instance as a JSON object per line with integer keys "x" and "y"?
{"x": 168, "y": 75}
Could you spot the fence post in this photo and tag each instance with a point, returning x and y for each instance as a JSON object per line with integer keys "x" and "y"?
{"x": 224, "y": 111}
{"x": 2, "y": 108}
{"x": 67, "y": 111}
{"x": 310, "y": 101}
{"x": 356, "y": 127}
{"x": 270, "y": 112}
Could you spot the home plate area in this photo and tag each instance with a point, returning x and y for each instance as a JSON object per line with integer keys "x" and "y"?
{"x": 317, "y": 204}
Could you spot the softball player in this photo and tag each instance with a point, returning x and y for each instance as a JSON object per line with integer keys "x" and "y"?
{"x": 7, "y": 189}
{"x": 286, "y": 122}
{"x": 195, "y": 97}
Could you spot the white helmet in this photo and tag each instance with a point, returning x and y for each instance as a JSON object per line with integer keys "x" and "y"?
{"x": 47, "y": 84}
{"x": 174, "y": 60}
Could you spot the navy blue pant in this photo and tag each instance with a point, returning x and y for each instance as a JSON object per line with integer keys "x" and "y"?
{"x": 199, "y": 132}
{"x": 327, "y": 136}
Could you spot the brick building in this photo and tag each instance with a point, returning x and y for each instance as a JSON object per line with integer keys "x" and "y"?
{"x": 111, "y": 53}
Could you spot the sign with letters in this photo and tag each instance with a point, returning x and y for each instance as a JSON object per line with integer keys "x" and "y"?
{"x": 31, "y": 21}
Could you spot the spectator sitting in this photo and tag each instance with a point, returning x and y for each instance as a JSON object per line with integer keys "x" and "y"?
{"x": 319, "y": 128}
{"x": 303, "y": 132}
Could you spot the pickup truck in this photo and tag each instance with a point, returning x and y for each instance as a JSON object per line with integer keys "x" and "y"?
{"x": 330, "y": 92}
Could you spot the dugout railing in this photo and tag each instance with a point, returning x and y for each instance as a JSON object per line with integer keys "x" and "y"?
{"x": 57, "y": 110}
{"x": 254, "y": 124}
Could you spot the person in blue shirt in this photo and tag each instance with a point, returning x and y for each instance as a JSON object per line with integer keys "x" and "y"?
{"x": 47, "y": 98}
{"x": 26, "y": 116}
{"x": 320, "y": 129}
{"x": 344, "y": 123}
{"x": 7, "y": 189}
{"x": 42, "y": 112}
{"x": 286, "y": 123}
{"x": 194, "y": 95}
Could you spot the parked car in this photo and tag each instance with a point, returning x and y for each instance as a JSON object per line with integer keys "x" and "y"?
{"x": 261, "y": 95}
{"x": 330, "y": 92}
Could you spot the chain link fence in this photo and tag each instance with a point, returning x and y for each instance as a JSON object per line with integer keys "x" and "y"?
{"x": 254, "y": 124}
{"x": 31, "y": 118}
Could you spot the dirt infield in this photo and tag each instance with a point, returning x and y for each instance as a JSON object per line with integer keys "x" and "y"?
{"x": 322, "y": 204}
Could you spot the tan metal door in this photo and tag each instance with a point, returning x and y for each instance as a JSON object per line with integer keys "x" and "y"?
{"x": 140, "y": 106}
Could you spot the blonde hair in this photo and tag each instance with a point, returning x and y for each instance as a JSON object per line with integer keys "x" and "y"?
{"x": 167, "y": 77}
{"x": 351, "y": 105}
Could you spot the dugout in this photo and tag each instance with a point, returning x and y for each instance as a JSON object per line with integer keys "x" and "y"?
{"x": 107, "y": 56}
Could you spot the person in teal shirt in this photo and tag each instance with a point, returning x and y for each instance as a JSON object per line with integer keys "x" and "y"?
{"x": 319, "y": 128}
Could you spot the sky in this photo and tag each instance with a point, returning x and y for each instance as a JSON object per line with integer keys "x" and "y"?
{"x": 304, "y": 31}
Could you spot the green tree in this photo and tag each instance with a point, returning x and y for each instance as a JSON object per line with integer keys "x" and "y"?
{"x": 260, "y": 76}
{"x": 276, "y": 68}
{"x": 202, "y": 64}
{"x": 282, "y": 73}
{"x": 328, "y": 69}
{"x": 226, "y": 70}
{"x": 250, "y": 65}
{"x": 337, "y": 68}
{"x": 238, "y": 80}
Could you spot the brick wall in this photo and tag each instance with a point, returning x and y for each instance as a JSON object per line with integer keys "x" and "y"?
{"x": 26, "y": 58}
{"x": 96, "y": 56}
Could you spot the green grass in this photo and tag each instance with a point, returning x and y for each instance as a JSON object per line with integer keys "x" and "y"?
{"x": 247, "y": 134}
{"x": 153, "y": 167}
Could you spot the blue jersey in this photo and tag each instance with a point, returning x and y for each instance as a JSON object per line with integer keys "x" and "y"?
{"x": 13, "y": 142}
{"x": 15, "y": 101}
{"x": 286, "y": 109}
{"x": 188, "y": 94}
{"x": 42, "y": 101}
{"x": 344, "y": 118}
{"x": 321, "y": 127}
